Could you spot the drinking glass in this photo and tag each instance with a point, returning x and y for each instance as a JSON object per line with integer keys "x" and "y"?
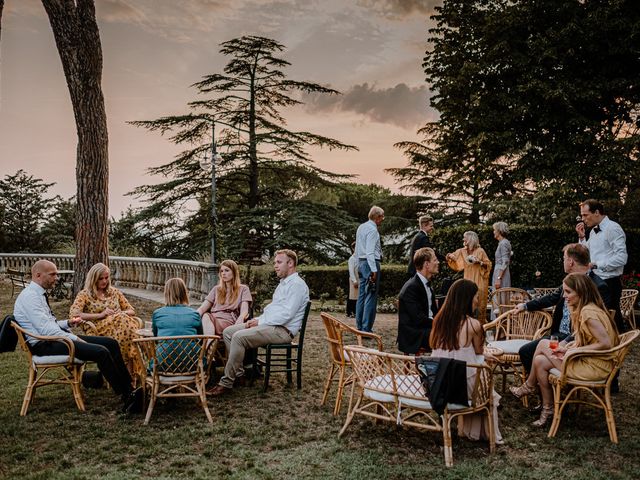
{"x": 553, "y": 342}
{"x": 489, "y": 337}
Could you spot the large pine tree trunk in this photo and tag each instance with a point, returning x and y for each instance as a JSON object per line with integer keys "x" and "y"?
{"x": 78, "y": 40}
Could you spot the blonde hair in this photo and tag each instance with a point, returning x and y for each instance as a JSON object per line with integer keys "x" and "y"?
{"x": 473, "y": 241}
{"x": 234, "y": 290}
{"x": 93, "y": 275}
{"x": 290, "y": 254}
{"x": 175, "y": 292}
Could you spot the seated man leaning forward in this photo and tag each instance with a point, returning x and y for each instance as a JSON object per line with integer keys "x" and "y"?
{"x": 279, "y": 323}
{"x": 32, "y": 313}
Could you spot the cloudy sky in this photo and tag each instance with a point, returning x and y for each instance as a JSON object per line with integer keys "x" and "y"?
{"x": 370, "y": 50}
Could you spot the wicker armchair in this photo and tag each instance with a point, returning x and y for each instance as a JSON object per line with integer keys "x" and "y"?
{"x": 177, "y": 367}
{"x": 597, "y": 393}
{"x": 339, "y": 335}
{"x": 542, "y": 291}
{"x": 514, "y": 329}
{"x": 68, "y": 368}
{"x": 504, "y": 299}
{"x": 627, "y": 305}
{"x": 387, "y": 387}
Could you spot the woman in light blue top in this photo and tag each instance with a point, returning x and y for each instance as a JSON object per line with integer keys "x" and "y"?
{"x": 176, "y": 318}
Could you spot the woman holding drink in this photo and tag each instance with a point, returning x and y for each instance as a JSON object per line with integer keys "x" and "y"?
{"x": 593, "y": 330}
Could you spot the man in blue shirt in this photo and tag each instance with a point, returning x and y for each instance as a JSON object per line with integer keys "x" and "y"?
{"x": 369, "y": 253}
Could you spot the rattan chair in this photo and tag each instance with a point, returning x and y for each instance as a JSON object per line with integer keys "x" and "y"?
{"x": 542, "y": 291}
{"x": 514, "y": 329}
{"x": 339, "y": 334}
{"x": 627, "y": 305}
{"x": 387, "y": 387}
{"x": 68, "y": 369}
{"x": 504, "y": 299}
{"x": 177, "y": 367}
{"x": 597, "y": 393}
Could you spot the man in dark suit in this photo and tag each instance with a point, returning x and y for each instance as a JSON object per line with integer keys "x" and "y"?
{"x": 575, "y": 260}
{"x": 420, "y": 240}
{"x": 417, "y": 304}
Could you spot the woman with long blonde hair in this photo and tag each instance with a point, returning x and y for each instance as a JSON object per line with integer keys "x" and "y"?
{"x": 113, "y": 316}
{"x": 593, "y": 329}
{"x": 227, "y": 303}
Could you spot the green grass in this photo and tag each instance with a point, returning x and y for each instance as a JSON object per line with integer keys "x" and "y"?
{"x": 285, "y": 433}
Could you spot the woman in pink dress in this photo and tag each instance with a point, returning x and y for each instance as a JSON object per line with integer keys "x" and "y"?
{"x": 228, "y": 303}
{"x": 455, "y": 334}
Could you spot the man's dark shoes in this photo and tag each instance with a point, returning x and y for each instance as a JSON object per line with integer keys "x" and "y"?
{"x": 218, "y": 390}
{"x": 134, "y": 403}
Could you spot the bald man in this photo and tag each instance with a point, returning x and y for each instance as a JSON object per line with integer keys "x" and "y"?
{"x": 32, "y": 312}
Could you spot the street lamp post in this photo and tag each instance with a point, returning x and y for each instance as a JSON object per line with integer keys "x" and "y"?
{"x": 205, "y": 164}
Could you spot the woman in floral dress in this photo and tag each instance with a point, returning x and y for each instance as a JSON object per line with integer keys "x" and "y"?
{"x": 113, "y": 316}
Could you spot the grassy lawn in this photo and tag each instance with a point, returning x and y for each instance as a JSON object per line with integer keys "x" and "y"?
{"x": 286, "y": 433}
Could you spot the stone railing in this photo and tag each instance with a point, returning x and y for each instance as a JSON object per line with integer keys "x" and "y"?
{"x": 144, "y": 273}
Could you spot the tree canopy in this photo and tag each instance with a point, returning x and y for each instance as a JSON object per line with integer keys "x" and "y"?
{"x": 538, "y": 102}
{"x": 265, "y": 174}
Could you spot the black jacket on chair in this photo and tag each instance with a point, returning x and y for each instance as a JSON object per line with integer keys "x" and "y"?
{"x": 414, "y": 324}
{"x": 8, "y": 336}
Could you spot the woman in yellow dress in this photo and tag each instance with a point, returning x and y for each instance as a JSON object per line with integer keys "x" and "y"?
{"x": 593, "y": 330}
{"x": 475, "y": 263}
{"x": 107, "y": 308}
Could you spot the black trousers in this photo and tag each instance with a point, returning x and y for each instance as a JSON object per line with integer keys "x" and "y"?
{"x": 527, "y": 351}
{"x": 105, "y": 351}
{"x": 615, "y": 290}
{"x": 351, "y": 307}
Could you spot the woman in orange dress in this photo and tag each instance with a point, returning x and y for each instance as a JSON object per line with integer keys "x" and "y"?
{"x": 475, "y": 263}
{"x": 107, "y": 308}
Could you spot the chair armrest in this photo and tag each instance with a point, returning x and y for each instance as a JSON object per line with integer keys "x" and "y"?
{"x": 490, "y": 325}
{"x": 373, "y": 336}
{"x": 56, "y": 338}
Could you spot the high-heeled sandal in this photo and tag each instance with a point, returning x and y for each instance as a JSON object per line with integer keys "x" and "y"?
{"x": 545, "y": 414}
{"x": 522, "y": 390}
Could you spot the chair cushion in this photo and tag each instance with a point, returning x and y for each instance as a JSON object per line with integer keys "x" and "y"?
{"x": 176, "y": 378}
{"x": 407, "y": 385}
{"x": 53, "y": 360}
{"x": 556, "y": 373}
{"x": 509, "y": 347}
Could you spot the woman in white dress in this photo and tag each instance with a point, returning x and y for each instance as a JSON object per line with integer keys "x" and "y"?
{"x": 455, "y": 334}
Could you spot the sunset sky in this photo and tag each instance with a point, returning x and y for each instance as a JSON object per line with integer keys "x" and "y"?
{"x": 370, "y": 50}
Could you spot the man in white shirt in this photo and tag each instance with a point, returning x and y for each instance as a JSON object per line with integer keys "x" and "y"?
{"x": 279, "y": 323}
{"x": 32, "y": 313}
{"x": 607, "y": 248}
{"x": 369, "y": 253}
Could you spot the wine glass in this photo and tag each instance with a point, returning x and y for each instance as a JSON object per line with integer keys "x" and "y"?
{"x": 489, "y": 337}
{"x": 553, "y": 342}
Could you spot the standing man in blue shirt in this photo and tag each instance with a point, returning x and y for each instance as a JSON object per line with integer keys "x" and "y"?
{"x": 607, "y": 248}
{"x": 369, "y": 253}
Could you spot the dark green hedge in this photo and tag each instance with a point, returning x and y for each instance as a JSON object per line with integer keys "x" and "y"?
{"x": 535, "y": 249}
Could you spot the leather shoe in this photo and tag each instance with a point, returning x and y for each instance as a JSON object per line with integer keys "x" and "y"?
{"x": 134, "y": 403}
{"x": 218, "y": 390}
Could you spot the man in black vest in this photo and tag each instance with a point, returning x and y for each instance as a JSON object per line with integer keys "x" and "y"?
{"x": 417, "y": 305}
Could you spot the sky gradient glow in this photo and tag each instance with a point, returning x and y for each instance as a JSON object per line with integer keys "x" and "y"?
{"x": 370, "y": 50}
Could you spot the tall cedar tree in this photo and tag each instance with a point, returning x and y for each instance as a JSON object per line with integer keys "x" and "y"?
{"x": 265, "y": 173}
{"x": 537, "y": 98}
{"x": 78, "y": 40}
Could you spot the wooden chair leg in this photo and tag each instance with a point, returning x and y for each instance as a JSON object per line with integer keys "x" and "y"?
{"x": 336, "y": 408}
{"x": 557, "y": 391}
{"x": 289, "y": 367}
{"x": 446, "y": 437}
{"x": 28, "y": 395}
{"x": 327, "y": 384}
{"x": 299, "y": 369}
{"x": 203, "y": 399}
{"x": 608, "y": 413}
{"x": 76, "y": 382}
{"x": 152, "y": 402}
{"x": 267, "y": 369}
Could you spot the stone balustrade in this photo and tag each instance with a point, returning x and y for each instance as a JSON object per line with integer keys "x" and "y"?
{"x": 144, "y": 273}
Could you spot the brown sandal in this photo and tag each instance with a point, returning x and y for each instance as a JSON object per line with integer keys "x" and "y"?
{"x": 522, "y": 390}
